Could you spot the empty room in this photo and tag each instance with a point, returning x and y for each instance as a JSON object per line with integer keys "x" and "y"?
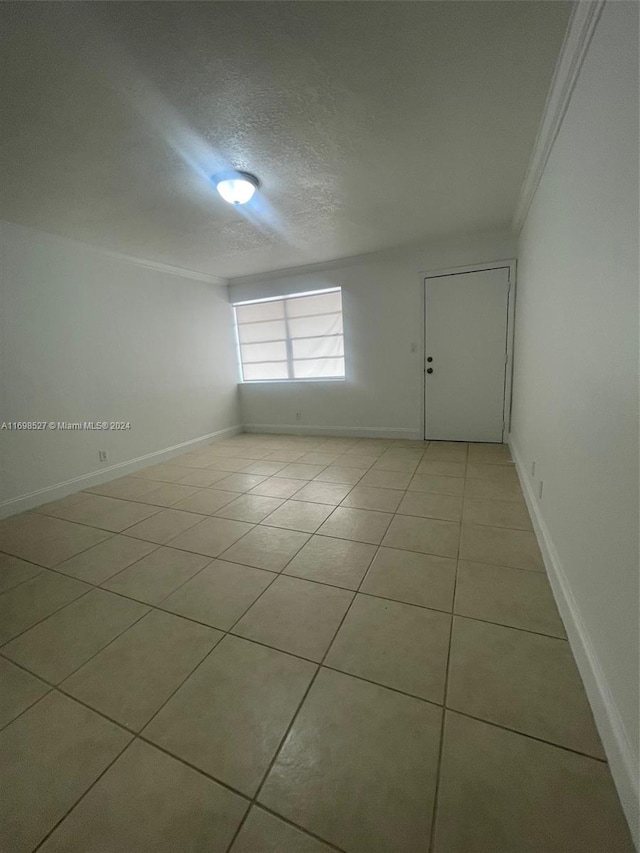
{"x": 319, "y": 428}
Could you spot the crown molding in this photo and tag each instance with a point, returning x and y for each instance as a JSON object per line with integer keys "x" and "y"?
{"x": 582, "y": 24}
{"x": 49, "y": 236}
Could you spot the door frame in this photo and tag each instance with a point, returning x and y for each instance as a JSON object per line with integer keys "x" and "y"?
{"x": 509, "y": 264}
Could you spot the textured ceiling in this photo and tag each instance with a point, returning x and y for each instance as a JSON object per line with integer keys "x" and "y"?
{"x": 370, "y": 125}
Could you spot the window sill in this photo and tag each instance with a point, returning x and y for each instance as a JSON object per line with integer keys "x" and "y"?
{"x": 290, "y": 381}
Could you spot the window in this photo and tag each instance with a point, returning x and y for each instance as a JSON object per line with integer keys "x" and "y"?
{"x": 291, "y": 337}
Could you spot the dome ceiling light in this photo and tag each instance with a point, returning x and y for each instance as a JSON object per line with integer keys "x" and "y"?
{"x": 237, "y": 187}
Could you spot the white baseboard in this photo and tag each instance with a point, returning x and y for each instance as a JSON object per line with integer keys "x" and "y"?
{"x": 94, "y": 478}
{"x": 615, "y": 738}
{"x": 341, "y": 431}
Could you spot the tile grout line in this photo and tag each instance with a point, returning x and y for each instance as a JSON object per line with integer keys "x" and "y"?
{"x": 82, "y": 796}
{"x": 60, "y": 689}
{"x": 295, "y": 715}
{"x": 221, "y": 555}
{"x": 135, "y": 500}
{"x": 212, "y": 559}
{"x": 44, "y": 618}
{"x": 436, "y": 792}
{"x": 288, "y": 821}
{"x": 41, "y": 569}
{"x": 129, "y": 598}
{"x": 302, "y": 701}
{"x": 229, "y": 633}
{"x": 137, "y": 735}
{"x": 157, "y": 508}
{"x": 304, "y": 483}
{"x": 224, "y": 634}
{"x": 165, "y": 507}
{"x": 297, "y": 710}
{"x": 526, "y": 735}
{"x": 101, "y": 649}
{"x": 82, "y": 551}
{"x": 35, "y": 702}
{"x": 169, "y": 594}
{"x": 92, "y": 586}
{"x": 57, "y": 566}
{"x": 71, "y": 556}
{"x": 168, "y": 544}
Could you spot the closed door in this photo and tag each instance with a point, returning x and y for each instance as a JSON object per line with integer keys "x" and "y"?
{"x": 466, "y": 355}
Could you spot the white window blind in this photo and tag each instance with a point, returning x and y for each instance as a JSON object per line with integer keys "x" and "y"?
{"x": 291, "y": 337}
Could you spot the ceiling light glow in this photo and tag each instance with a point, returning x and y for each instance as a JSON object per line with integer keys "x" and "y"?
{"x": 237, "y": 188}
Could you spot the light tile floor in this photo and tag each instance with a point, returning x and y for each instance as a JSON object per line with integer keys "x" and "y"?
{"x": 295, "y": 645}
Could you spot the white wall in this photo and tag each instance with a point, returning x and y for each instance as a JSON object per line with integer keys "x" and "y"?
{"x": 383, "y": 299}
{"x": 90, "y": 337}
{"x": 575, "y": 403}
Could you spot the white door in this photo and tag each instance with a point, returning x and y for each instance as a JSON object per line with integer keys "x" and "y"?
{"x": 466, "y": 355}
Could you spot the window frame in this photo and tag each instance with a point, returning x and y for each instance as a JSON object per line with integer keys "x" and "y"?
{"x": 288, "y": 341}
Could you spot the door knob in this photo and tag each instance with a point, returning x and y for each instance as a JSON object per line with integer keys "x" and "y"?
{"x": 429, "y": 369}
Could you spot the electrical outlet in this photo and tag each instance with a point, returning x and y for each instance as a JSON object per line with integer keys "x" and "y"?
{"x": 533, "y": 469}
{"x": 102, "y": 455}
{"x": 298, "y": 416}
{"x": 540, "y": 485}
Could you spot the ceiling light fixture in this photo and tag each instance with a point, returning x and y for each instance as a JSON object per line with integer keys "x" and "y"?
{"x": 237, "y": 187}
